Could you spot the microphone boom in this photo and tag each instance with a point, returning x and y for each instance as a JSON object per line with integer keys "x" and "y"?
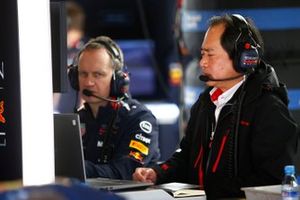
{"x": 89, "y": 93}
{"x": 205, "y": 78}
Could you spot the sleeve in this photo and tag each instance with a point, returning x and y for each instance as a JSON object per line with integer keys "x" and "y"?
{"x": 135, "y": 146}
{"x": 176, "y": 168}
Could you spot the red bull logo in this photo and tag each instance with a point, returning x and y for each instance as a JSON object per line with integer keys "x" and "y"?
{"x": 136, "y": 155}
{"x": 2, "y": 119}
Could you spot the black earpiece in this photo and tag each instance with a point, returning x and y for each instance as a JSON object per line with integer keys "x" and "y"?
{"x": 246, "y": 53}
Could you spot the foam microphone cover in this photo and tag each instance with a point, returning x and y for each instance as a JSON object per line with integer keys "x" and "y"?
{"x": 204, "y": 78}
{"x": 87, "y": 92}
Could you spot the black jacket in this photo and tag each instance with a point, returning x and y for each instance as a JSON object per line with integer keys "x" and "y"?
{"x": 119, "y": 140}
{"x": 251, "y": 154}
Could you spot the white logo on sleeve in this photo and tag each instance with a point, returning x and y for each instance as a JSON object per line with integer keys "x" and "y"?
{"x": 146, "y": 126}
{"x": 143, "y": 138}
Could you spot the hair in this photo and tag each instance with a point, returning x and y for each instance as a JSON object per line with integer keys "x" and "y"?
{"x": 232, "y": 32}
{"x": 112, "y": 48}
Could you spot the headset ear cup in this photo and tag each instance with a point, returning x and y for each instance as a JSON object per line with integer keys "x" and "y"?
{"x": 119, "y": 84}
{"x": 246, "y": 54}
{"x": 247, "y": 58}
{"x": 73, "y": 77}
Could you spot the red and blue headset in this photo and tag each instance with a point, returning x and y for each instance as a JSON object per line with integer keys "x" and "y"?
{"x": 246, "y": 50}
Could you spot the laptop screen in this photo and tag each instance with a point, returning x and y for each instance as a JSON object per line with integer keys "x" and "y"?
{"x": 68, "y": 149}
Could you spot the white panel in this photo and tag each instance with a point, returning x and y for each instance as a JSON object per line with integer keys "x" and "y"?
{"x": 165, "y": 113}
{"x": 36, "y": 91}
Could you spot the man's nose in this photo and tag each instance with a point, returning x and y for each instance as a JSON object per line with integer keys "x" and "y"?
{"x": 203, "y": 62}
{"x": 89, "y": 80}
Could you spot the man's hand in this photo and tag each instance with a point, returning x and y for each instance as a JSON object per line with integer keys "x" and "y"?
{"x": 144, "y": 175}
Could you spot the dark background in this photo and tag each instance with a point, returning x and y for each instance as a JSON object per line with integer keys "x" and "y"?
{"x": 11, "y": 154}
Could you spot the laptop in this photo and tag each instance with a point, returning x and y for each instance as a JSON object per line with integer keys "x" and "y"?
{"x": 69, "y": 159}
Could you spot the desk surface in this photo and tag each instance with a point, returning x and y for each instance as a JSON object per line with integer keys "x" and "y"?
{"x": 154, "y": 194}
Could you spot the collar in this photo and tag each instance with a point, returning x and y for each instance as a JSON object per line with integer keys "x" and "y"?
{"x": 219, "y": 97}
{"x": 215, "y": 93}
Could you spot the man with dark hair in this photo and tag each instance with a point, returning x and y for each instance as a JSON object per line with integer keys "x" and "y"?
{"x": 119, "y": 134}
{"x": 240, "y": 132}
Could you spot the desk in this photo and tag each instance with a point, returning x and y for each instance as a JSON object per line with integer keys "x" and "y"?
{"x": 270, "y": 192}
{"x": 154, "y": 194}
{"x": 193, "y": 198}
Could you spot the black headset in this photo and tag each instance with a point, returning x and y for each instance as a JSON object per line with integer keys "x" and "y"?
{"x": 120, "y": 79}
{"x": 246, "y": 50}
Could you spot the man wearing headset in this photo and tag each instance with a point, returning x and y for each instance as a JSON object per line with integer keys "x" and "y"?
{"x": 118, "y": 133}
{"x": 240, "y": 132}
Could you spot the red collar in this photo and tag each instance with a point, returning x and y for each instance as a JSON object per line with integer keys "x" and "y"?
{"x": 215, "y": 95}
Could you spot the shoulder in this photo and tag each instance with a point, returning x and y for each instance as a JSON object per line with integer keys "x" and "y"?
{"x": 132, "y": 106}
{"x": 133, "y": 109}
{"x": 267, "y": 105}
{"x": 138, "y": 117}
{"x": 270, "y": 101}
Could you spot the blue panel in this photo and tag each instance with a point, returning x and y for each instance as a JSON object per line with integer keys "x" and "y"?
{"x": 294, "y": 97}
{"x": 265, "y": 19}
{"x": 138, "y": 55}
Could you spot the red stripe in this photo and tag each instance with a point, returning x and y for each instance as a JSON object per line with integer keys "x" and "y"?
{"x": 200, "y": 175}
{"x": 198, "y": 157}
{"x": 200, "y": 171}
{"x": 220, "y": 153}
